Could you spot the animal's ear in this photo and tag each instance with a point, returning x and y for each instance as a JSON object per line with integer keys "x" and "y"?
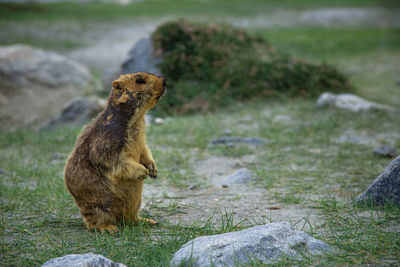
{"x": 117, "y": 84}
{"x": 118, "y": 95}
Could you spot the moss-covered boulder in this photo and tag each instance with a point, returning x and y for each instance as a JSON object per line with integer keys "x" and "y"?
{"x": 207, "y": 65}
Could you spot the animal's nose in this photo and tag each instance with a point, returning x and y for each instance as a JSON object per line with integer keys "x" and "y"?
{"x": 164, "y": 82}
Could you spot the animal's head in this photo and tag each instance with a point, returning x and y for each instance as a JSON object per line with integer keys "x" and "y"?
{"x": 140, "y": 90}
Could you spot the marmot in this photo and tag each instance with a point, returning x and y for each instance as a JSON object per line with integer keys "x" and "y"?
{"x": 105, "y": 170}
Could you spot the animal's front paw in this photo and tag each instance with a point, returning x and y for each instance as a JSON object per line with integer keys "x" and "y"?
{"x": 153, "y": 172}
{"x": 142, "y": 173}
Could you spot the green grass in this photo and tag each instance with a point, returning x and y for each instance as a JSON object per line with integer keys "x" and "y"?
{"x": 369, "y": 56}
{"x": 44, "y": 43}
{"x": 39, "y": 217}
{"x": 332, "y": 45}
{"x": 145, "y": 9}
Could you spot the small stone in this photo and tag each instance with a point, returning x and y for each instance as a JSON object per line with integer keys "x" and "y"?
{"x": 265, "y": 243}
{"x": 385, "y": 151}
{"x": 227, "y": 132}
{"x": 82, "y": 260}
{"x": 193, "y": 186}
{"x": 101, "y": 102}
{"x": 4, "y": 172}
{"x": 350, "y": 102}
{"x": 158, "y": 121}
{"x": 241, "y": 176}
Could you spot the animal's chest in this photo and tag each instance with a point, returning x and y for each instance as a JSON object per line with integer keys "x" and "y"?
{"x": 134, "y": 146}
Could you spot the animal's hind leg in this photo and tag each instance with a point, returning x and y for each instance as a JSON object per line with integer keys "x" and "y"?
{"x": 140, "y": 220}
{"x": 100, "y": 221}
{"x": 145, "y": 221}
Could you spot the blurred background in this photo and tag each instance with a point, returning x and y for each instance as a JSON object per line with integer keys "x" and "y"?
{"x": 359, "y": 38}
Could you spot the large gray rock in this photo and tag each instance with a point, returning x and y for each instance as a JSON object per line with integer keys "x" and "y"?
{"x": 35, "y": 85}
{"x": 141, "y": 58}
{"x": 350, "y": 102}
{"x": 265, "y": 243}
{"x": 79, "y": 111}
{"x": 385, "y": 188}
{"x": 22, "y": 66}
{"x": 241, "y": 176}
{"x": 82, "y": 260}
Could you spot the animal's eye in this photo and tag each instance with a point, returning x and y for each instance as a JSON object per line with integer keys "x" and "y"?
{"x": 140, "y": 81}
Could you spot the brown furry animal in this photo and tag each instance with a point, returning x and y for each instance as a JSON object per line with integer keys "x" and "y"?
{"x": 105, "y": 170}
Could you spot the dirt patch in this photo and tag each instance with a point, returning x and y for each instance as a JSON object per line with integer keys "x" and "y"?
{"x": 246, "y": 202}
{"x": 214, "y": 168}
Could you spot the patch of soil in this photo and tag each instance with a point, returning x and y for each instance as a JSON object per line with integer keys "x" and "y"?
{"x": 247, "y": 203}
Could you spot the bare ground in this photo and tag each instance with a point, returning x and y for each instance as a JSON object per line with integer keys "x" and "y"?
{"x": 248, "y": 203}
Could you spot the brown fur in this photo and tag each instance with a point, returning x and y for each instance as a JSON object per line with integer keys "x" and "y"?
{"x": 105, "y": 171}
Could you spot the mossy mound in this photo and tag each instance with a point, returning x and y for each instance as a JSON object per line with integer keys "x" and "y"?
{"x": 206, "y": 66}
